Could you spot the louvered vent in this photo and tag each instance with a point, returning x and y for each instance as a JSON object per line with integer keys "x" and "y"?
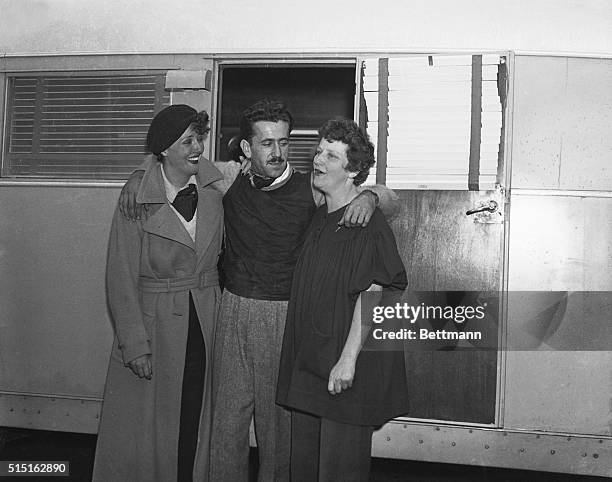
{"x": 302, "y": 149}
{"x": 80, "y": 126}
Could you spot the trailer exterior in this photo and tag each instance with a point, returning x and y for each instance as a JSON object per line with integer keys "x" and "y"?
{"x": 545, "y": 407}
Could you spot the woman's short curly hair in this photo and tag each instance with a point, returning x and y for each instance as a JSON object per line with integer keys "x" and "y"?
{"x": 263, "y": 110}
{"x": 360, "y": 151}
{"x": 201, "y": 123}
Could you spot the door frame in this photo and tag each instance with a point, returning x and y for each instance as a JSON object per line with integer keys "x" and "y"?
{"x": 312, "y": 60}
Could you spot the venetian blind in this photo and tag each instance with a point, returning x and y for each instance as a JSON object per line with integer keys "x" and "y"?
{"x": 443, "y": 120}
{"x": 80, "y": 126}
{"x": 302, "y": 149}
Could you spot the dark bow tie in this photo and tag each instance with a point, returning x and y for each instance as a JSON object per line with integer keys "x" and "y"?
{"x": 186, "y": 201}
{"x": 259, "y": 181}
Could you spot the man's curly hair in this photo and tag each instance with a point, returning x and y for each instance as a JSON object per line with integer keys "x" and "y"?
{"x": 359, "y": 152}
{"x": 263, "y": 110}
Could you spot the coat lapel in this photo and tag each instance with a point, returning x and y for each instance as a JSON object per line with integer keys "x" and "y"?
{"x": 209, "y": 207}
{"x": 164, "y": 222}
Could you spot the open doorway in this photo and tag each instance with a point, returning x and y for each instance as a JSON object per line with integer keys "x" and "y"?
{"x": 313, "y": 93}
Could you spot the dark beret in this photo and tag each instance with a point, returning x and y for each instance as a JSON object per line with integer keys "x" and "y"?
{"x": 168, "y": 125}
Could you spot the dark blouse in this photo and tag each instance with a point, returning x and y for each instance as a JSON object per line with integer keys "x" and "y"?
{"x": 335, "y": 266}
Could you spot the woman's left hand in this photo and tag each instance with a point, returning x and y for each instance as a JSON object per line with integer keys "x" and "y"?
{"x": 341, "y": 376}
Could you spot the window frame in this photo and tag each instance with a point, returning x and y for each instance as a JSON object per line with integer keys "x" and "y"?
{"x": 102, "y": 158}
{"x": 78, "y": 65}
{"x": 272, "y": 60}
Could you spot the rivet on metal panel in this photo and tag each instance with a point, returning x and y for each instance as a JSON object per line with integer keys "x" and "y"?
{"x": 595, "y": 456}
{"x": 471, "y": 431}
{"x": 486, "y": 447}
{"x": 437, "y": 429}
{"x": 584, "y": 454}
{"x": 421, "y": 441}
{"x": 522, "y": 450}
{"x": 453, "y": 443}
{"x": 405, "y": 426}
{"x": 388, "y": 439}
{"x": 11, "y": 410}
{"x": 552, "y": 452}
{"x": 569, "y": 438}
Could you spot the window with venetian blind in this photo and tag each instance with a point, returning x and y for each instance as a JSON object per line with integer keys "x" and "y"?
{"x": 437, "y": 120}
{"x": 79, "y": 126}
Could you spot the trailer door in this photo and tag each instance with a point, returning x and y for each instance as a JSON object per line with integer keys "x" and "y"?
{"x": 439, "y": 126}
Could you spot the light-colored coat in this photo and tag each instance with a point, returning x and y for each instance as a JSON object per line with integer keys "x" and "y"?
{"x": 138, "y": 434}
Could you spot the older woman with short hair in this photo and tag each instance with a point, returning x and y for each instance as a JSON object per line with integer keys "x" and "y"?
{"x": 163, "y": 293}
{"x": 338, "y": 393}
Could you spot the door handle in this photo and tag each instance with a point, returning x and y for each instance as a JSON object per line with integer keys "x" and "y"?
{"x": 490, "y": 206}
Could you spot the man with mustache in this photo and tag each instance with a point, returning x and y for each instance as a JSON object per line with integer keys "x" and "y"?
{"x": 267, "y": 211}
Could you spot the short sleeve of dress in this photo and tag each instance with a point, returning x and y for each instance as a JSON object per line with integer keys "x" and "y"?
{"x": 379, "y": 260}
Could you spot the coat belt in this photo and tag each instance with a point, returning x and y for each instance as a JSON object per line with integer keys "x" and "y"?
{"x": 205, "y": 279}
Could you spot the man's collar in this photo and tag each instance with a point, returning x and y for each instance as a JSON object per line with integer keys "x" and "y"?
{"x": 278, "y": 182}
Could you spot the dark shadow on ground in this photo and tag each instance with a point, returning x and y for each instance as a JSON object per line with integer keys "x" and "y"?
{"x": 79, "y": 449}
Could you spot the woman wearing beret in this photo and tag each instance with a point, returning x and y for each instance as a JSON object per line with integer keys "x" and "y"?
{"x": 163, "y": 293}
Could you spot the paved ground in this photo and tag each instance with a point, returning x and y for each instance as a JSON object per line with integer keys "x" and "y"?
{"x": 79, "y": 449}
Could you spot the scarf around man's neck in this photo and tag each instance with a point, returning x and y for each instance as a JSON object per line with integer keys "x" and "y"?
{"x": 269, "y": 183}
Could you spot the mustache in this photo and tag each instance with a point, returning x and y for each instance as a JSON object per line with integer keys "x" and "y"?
{"x": 276, "y": 159}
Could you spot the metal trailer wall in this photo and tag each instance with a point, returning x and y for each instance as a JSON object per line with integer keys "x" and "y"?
{"x": 53, "y": 245}
{"x": 561, "y": 240}
{"x": 555, "y": 397}
{"x": 55, "y": 334}
{"x": 59, "y": 27}
{"x": 553, "y": 410}
{"x": 55, "y": 330}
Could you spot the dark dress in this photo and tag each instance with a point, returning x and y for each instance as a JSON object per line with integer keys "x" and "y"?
{"x": 335, "y": 266}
